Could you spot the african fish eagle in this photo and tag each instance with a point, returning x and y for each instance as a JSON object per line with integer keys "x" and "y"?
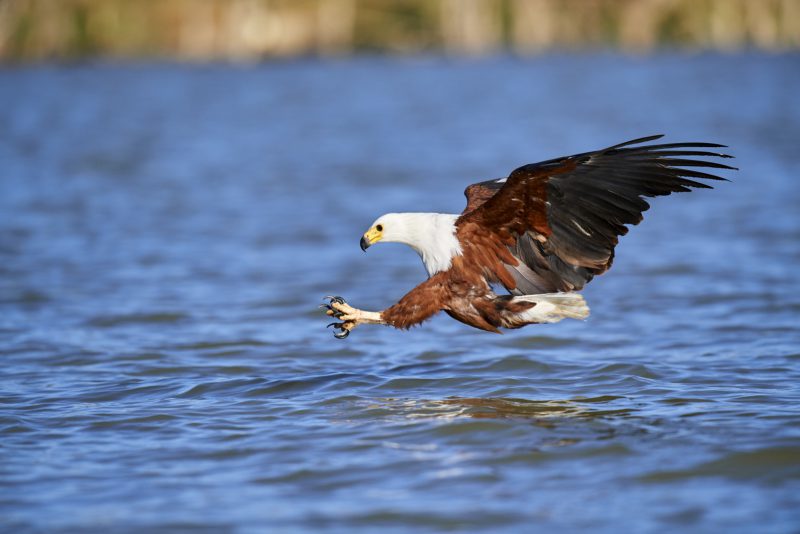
{"x": 542, "y": 233}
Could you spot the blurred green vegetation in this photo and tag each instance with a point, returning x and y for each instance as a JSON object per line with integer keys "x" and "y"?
{"x": 253, "y": 29}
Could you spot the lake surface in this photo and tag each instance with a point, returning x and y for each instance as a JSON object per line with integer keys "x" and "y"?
{"x": 167, "y": 232}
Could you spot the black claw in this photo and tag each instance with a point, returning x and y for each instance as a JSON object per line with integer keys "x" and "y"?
{"x": 343, "y": 332}
{"x": 341, "y": 335}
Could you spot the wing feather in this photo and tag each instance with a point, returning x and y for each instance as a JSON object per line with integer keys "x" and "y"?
{"x": 562, "y": 218}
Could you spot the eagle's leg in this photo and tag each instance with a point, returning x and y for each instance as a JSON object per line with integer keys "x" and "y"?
{"x": 350, "y": 317}
{"x": 428, "y": 298}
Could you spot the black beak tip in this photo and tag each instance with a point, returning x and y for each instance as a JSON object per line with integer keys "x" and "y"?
{"x": 364, "y": 244}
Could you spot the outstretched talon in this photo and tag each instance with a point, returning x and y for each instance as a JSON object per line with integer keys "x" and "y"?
{"x": 343, "y": 329}
{"x": 333, "y": 312}
{"x": 350, "y": 317}
{"x": 338, "y": 308}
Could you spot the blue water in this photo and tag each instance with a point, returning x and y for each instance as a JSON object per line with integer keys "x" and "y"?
{"x": 167, "y": 232}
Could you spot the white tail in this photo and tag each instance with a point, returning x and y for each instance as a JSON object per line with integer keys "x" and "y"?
{"x": 553, "y": 307}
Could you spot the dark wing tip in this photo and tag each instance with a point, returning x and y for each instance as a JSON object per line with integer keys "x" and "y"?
{"x": 681, "y": 162}
{"x": 634, "y": 142}
{"x": 674, "y": 155}
{"x": 686, "y": 144}
{"x": 704, "y": 153}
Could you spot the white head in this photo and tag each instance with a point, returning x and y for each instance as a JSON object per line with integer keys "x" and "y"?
{"x": 432, "y": 235}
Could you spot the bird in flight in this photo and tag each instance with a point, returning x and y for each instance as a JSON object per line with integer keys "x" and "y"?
{"x": 542, "y": 233}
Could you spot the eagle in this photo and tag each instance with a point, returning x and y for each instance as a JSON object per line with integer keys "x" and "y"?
{"x": 541, "y": 234}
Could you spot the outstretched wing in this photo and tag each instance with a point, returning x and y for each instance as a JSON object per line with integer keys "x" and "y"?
{"x": 560, "y": 219}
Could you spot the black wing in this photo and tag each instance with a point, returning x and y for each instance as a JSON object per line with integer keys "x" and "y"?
{"x": 573, "y": 209}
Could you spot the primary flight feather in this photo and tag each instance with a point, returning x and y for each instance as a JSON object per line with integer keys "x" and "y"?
{"x": 542, "y": 233}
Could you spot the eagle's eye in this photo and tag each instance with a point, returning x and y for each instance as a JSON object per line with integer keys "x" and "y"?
{"x": 379, "y": 228}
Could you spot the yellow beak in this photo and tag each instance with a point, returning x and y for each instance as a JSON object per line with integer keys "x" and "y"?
{"x": 370, "y": 238}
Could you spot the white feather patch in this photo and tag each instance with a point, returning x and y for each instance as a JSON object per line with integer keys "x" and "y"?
{"x": 553, "y": 307}
{"x": 432, "y": 235}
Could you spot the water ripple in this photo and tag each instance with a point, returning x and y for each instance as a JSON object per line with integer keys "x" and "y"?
{"x": 168, "y": 231}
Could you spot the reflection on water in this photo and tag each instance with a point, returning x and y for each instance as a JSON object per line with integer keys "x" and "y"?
{"x": 490, "y": 408}
{"x": 168, "y": 231}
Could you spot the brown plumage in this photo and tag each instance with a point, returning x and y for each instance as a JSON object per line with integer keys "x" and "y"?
{"x": 541, "y": 233}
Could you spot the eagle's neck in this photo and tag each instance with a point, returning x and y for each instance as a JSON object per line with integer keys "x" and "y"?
{"x": 433, "y": 236}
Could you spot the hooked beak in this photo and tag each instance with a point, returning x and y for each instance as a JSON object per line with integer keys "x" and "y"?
{"x": 372, "y": 236}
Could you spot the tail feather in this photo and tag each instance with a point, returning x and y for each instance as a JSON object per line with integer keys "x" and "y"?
{"x": 553, "y": 307}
